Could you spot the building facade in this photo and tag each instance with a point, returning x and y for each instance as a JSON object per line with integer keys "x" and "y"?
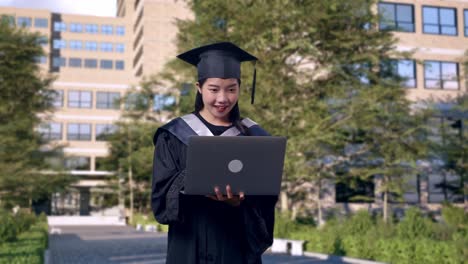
{"x": 96, "y": 61}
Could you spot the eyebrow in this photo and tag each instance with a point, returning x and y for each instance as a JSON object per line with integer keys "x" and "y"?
{"x": 217, "y": 86}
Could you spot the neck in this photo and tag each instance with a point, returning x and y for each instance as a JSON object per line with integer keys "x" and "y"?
{"x": 214, "y": 120}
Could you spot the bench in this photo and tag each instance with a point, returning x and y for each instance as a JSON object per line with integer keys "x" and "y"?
{"x": 289, "y": 246}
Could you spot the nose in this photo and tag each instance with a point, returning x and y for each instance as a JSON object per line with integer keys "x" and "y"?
{"x": 221, "y": 97}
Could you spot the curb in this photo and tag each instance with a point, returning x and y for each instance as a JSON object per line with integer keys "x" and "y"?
{"x": 47, "y": 256}
{"x": 339, "y": 258}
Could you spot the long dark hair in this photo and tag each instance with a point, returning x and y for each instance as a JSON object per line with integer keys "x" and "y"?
{"x": 234, "y": 115}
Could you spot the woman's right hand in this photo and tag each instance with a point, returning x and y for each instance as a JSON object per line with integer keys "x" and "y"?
{"x": 229, "y": 198}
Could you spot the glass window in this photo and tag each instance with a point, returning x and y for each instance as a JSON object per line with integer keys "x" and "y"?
{"x": 41, "y": 59}
{"x": 75, "y": 44}
{"x": 79, "y": 132}
{"x": 120, "y": 30}
{"x": 162, "y": 101}
{"x": 398, "y": 17}
{"x": 119, "y": 65}
{"x": 58, "y": 62}
{"x": 404, "y": 69}
{"x": 135, "y": 101}
{"x": 59, "y": 43}
{"x": 106, "y": 64}
{"x": 57, "y": 98}
{"x": 41, "y": 22}
{"x": 439, "y": 20}
{"x": 8, "y": 19}
{"x": 90, "y": 63}
{"x": 107, "y": 100}
{"x": 60, "y": 26}
{"x": 51, "y": 131}
{"x": 466, "y": 22}
{"x": 80, "y": 99}
{"x": 24, "y": 21}
{"x": 355, "y": 191}
{"x": 92, "y": 28}
{"x": 74, "y": 62}
{"x": 103, "y": 131}
{"x": 445, "y": 187}
{"x": 120, "y": 47}
{"x": 78, "y": 163}
{"x": 107, "y": 29}
{"x": 441, "y": 75}
{"x": 106, "y": 47}
{"x": 76, "y": 27}
{"x": 91, "y": 45}
{"x": 42, "y": 40}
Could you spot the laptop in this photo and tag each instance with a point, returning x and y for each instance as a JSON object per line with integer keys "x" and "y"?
{"x": 250, "y": 164}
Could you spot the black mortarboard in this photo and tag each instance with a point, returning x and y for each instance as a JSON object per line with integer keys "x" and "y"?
{"x": 219, "y": 60}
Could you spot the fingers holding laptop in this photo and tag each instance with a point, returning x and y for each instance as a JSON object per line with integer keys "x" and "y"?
{"x": 229, "y": 198}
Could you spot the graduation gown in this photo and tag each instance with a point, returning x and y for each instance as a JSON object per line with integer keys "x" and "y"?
{"x": 202, "y": 230}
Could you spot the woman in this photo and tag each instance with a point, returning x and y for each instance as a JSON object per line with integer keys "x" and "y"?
{"x": 235, "y": 228}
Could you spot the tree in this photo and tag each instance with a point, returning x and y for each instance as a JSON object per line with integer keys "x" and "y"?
{"x": 25, "y": 94}
{"x": 319, "y": 77}
{"x": 131, "y": 147}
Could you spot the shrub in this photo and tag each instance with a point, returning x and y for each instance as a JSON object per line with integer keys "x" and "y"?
{"x": 395, "y": 250}
{"x": 24, "y": 220}
{"x": 359, "y": 224}
{"x": 454, "y": 216}
{"x": 283, "y": 225}
{"x": 29, "y": 247}
{"x": 359, "y": 246}
{"x": 8, "y": 229}
{"x": 414, "y": 225}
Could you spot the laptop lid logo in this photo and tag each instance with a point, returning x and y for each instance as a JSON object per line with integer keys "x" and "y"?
{"x": 235, "y": 166}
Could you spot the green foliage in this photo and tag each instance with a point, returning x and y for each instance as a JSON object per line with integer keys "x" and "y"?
{"x": 25, "y": 94}
{"x": 24, "y": 220}
{"x": 411, "y": 240}
{"x": 455, "y": 216}
{"x": 148, "y": 220}
{"x": 414, "y": 225}
{"x": 8, "y": 229}
{"x": 359, "y": 224}
{"x": 28, "y": 248}
{"x": 319, "y": 83}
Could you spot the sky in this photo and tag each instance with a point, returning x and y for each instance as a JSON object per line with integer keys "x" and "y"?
{"x": 82, "y": 7}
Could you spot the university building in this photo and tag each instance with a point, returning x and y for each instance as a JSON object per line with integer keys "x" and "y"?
{"x": 437, "y": 32}
{"x": 98, "y": 59}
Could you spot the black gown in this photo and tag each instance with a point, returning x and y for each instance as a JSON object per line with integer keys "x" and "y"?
{"x": 202, "y": 230}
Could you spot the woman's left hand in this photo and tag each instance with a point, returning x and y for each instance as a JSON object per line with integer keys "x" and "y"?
{"x": 229, "y": 198}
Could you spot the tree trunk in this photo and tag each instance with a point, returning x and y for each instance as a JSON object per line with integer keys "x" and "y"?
{"x": 130, "y": 174}
{"x": 130, "y": 183}
{"x": 385, "y": 205}
{"x": 284, "y": 201}
{"x": 319, "y": 204}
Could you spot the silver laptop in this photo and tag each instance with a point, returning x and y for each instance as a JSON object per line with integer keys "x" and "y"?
{"x": 251, "y": 164}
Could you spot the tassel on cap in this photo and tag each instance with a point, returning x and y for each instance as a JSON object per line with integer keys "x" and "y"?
{"x": 253, "y": 83}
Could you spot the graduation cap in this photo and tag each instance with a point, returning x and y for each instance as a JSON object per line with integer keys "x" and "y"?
{"x": 219, "y": 60}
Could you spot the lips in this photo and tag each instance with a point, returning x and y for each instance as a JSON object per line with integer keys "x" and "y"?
{"x": 221, "y": 109}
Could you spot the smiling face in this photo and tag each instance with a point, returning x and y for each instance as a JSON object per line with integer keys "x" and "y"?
{"x": 219, "y": 97}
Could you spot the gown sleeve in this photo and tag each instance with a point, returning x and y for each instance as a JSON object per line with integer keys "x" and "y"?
{"x": 168, "y": 179}
{"x": 259, "y": 217}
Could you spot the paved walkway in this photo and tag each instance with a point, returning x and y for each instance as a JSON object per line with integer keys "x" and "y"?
{"x": 124, "y": 245}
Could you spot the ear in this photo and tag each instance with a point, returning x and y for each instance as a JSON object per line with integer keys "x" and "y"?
{"x": 198, "y": 87}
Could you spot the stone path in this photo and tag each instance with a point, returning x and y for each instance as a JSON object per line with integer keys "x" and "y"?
{"x": 124, "y": 245}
